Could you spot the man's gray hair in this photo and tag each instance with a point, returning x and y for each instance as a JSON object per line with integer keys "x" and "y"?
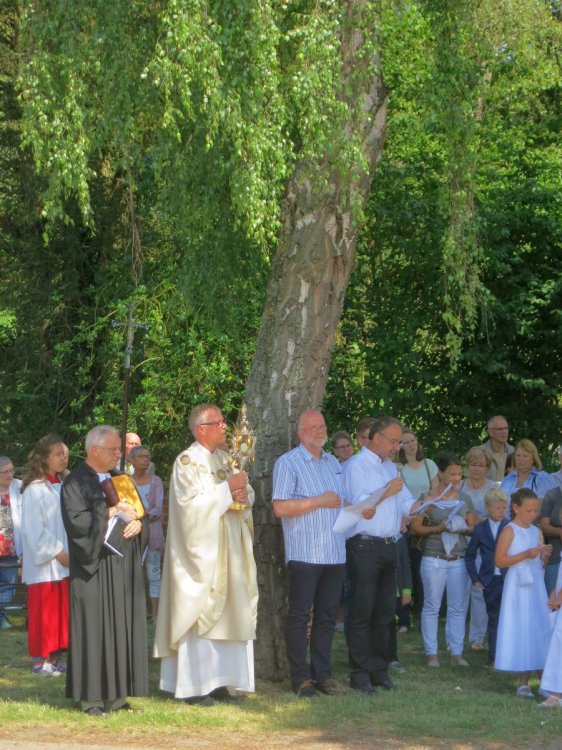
{"x": 97, "y": 435}
{"x": 5, "y": 461}
{"x": 197, "y": 415}
{"x": 134, "y": 452}
{"x": 496, "y": 416}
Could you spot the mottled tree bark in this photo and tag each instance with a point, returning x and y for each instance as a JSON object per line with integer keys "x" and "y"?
{"x": 304, "y": 303}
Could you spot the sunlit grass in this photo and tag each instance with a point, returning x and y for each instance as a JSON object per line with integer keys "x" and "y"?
{"x": 451, "y": 704}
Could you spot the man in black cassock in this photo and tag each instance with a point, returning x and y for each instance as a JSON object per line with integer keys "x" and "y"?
{"x": 107, "y": 656}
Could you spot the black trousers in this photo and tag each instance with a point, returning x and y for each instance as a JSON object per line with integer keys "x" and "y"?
{"x": 313, "y": 588}
{"x": 372, "y": 567}
{"x": 493, "y": 599}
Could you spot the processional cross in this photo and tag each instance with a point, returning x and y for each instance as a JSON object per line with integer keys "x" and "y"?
{"x": 130, "y": 327}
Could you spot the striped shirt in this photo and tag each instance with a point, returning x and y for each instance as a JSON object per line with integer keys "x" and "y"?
{"x": 309, "y": 538}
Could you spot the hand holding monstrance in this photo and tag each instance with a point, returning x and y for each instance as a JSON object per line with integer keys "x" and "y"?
{"x": 242, "y": 445}
{"x": 238, "y": 489}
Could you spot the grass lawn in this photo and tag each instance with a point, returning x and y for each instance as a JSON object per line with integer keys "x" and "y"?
{"x": 451, "y": 707}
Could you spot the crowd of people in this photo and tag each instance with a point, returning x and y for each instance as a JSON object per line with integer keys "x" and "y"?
{"x": 385, "y": 531}
{"x": 420, "y": 530}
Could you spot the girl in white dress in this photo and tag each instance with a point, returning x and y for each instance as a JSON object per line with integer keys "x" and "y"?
{"x": 552, "y": 676}
{"x": 524, "y": 627}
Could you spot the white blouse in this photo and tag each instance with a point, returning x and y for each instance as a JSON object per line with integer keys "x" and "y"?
{"x": 43, "y": 533}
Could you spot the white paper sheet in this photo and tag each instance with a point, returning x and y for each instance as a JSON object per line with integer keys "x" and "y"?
{"x": 351, "y": 514}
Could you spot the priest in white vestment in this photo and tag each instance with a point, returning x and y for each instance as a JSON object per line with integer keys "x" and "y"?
{"x": 208, "y": 604}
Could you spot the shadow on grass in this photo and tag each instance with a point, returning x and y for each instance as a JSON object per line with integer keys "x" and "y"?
{"x": 452, "y": 707}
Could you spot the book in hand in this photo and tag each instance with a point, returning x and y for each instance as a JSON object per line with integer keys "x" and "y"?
{"x": 121, "y": 489}
{"x": 114, "y": 539}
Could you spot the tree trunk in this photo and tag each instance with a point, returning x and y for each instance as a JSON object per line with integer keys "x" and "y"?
{"x": 304, "y": 303}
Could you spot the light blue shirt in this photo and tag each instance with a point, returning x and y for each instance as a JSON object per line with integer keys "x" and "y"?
{"x": 538, "y": 481}
{"x": 310, "y": 538}
{"x": 363, "y": 474}
{"x": 417, "y": 480}
{"x": 557, "y": 476}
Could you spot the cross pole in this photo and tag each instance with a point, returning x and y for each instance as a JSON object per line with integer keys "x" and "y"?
{"x": 130, "y": 327}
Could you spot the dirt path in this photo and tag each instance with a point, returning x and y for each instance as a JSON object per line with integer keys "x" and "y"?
{"x": 227, "y": 740}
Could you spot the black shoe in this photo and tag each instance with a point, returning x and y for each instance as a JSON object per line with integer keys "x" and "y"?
{"x": 362, "y": 684}
{"x": 94, "y": 711}
{"x": 221, "y": 694}
{"x": 127, "y": 708}
{"x": 306, "y": 690}
{"x": 328, "y": 687}
{"x": 200, "y": 700}
{"x": 383, "y": 681}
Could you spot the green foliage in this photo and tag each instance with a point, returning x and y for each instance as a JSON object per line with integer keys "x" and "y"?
{"x": 194, "y": 114}
{"x": 494, "y": 210}
{"x": 149, "y": 85}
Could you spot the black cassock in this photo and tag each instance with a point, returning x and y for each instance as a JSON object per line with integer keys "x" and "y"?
{"x": 108, "y": 654}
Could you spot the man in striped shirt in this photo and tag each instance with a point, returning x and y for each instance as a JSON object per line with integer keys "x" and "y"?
{"x": 307, "y": 496}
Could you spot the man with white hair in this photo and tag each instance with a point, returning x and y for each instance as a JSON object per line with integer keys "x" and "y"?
{"x": 307, "y": 497}
{"x": 208, "y": 599}
{"x": 107, "y": 658}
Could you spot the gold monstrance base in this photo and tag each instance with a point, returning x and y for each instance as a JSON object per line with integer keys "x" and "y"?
{"x": 239, "y": 506}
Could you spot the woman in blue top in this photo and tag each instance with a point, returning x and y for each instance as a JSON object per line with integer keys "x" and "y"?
{"x": 528, "y": 472}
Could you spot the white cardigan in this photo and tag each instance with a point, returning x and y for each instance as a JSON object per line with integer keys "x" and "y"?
{"x": 43, "y": 533}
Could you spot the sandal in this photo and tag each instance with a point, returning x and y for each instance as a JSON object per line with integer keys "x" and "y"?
{"x": 524, "y": 691}
{"x": 556, "y": 702}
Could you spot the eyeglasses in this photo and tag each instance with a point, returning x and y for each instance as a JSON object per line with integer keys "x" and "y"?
{"x": 339, "y": 447}
{"x": 394, "y": 441}
{"x": 217, "y": 423}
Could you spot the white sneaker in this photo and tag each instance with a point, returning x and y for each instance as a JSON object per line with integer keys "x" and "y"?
{"x": 458, "y": 661}
{"x": 395, "y": 666}
{"x": 47, "y": 670}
